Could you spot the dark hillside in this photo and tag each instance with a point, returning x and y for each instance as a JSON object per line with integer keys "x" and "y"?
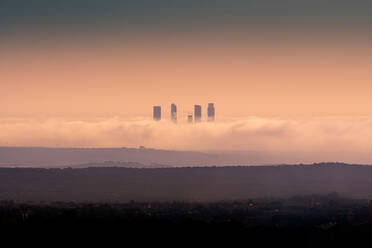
{"x": 189, "y": 184}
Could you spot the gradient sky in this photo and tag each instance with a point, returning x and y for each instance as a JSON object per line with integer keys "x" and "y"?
{"x": 106, "y": 58}
{"x": 99, "y": 59}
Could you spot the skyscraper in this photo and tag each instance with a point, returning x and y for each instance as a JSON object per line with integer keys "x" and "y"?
{"x": 174, "y": 112}
{"x": 157, "y": 113}
{"x": 197, "y": 113}
{"x": 189, "y": 118}
{"x": 211, "y": 112}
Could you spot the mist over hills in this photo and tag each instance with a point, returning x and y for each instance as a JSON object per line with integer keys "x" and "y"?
{"x": 125, "y": 174}
{"x": 123, "y": 157}
{"x": 62, "y": 157}
{"x": 146, "y": 157}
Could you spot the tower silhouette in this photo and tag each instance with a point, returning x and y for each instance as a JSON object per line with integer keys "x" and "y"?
{"x": 197, "y": 113}
{"x": 174, "y": 112}
{"x": 157, "y": 113}
{"x": 211, "y": 112}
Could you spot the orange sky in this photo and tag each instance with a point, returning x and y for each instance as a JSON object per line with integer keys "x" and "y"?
{"x": 272, "y": 94}
{"x": 243, "y": 77}
{"x": 284, "y": 75}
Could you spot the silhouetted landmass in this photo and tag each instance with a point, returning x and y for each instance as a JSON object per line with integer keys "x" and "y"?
{"x": 147, "y": 157}
{"x": 183, "y": 184}
{"x": 300, "y": 221}
{"x": 57, "y": 157}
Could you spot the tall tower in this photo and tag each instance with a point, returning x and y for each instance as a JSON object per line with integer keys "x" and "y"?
{"x": 157, "y": 113}
{"x": 189, "y": 118}
{"x": 174, "y": 112}
{"x": 211, "y": 112}
{"x": 197, "y": 113}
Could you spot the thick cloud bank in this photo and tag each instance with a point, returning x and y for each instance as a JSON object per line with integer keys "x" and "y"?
{"x": 259, "y": 134}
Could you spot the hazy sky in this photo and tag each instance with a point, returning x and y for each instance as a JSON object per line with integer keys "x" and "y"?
{"x": 105, "y": 58}
{"x": 81, "y": 60}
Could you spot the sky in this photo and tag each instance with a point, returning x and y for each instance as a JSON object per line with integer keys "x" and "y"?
{"x": 100, "y": 62}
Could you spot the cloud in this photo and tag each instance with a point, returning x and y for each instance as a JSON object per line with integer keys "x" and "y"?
{"x": 259, "y": 134}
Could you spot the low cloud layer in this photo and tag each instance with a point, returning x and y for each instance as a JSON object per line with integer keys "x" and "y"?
{"x": 258, "y": 134}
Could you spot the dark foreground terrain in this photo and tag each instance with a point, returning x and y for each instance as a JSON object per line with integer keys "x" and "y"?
{"x": 202, "y": 184}
{"x": 301, "y": 221}
{"x": 268, "y": 206}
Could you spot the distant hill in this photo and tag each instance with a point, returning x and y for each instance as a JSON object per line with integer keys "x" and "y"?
{"x": 61, "y": 157}
{"x": 116, "y": 184}
{"x": 145, "y": 157}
